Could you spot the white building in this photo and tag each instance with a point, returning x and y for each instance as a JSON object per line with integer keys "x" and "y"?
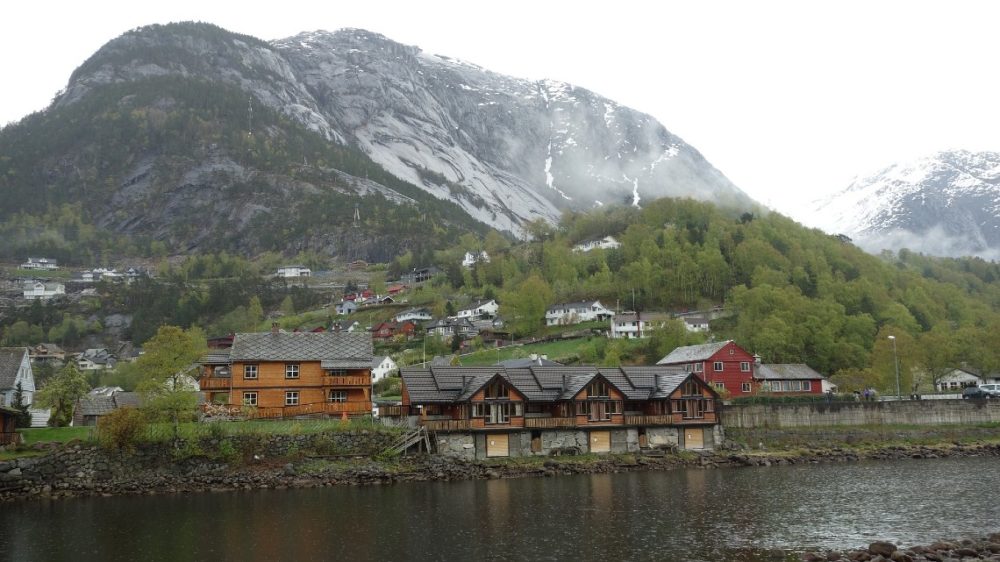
{"x": 40, "y": 263}
{"x": 293, "y": 271}
{"x": 606, "y": 243}
{"x": 15, "y": 368}
{"x": 696, "y": 323}
{"x": 382, "y": 367}
{"x": 414, "y": 314}
{"x": 43, "y": 291}
{"x": 576, "y": 312}
{"x": 631, "y": 325}
{"x": 471, "y": 258}
{"x": 957, "y": 379}
{"x": 479, "y": 309}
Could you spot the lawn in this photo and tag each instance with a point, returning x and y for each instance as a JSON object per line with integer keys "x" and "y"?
{"x": 55, "y": 434}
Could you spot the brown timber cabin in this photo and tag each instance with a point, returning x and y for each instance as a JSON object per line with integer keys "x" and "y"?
{"x": 479, "y": 412}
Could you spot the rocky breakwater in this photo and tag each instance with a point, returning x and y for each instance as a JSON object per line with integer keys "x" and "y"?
{"x": 983, "y": 548}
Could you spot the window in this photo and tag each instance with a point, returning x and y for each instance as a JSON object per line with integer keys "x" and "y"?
{"x": 597, "y": 389}
{"x": 699, "y": 367}
{"x": 249, "y": 398}
{"x": 338, "y": 396}
{"x": 291, "y": 370}
{"x": 291, "y": 398}
{"x": 732, "y": 351}
{"x": 691, "y": 389}
{"x": 250, "y": 371}
{"x": 745, "y": 387}
{"x": 337, "y": 372}
{"x": 497, "y": 389}
{"x": 745, "y": 366}
{"x": 719, "y": 385}
{"x": 717, "y": 366}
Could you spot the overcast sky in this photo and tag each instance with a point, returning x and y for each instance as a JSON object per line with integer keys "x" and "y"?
{"x": 790, "y": 100}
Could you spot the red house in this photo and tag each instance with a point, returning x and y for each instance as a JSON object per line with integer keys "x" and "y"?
{"x": 724, "y": 365}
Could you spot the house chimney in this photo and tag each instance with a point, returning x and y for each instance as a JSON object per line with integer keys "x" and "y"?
{"x": 274, "y": 328}
{"x": 465, "y": 383}
{"x": 564, "y": 383}
{"x": 756, "y": 359}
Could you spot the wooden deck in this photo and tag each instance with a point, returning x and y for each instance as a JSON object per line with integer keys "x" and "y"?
{"x": 446, "y": 425}
{"x": 548, "y": 423}
{"x": 345, "y": 380}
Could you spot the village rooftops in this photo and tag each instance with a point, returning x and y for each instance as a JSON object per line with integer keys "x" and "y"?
{"x": 692, "y": 353}
{"x": 538, "y": 384}
{"x": 336, "y": 350}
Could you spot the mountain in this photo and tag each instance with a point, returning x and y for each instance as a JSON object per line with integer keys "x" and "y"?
{"x": 199, "y": 137}
{"x": 947, "y": 204}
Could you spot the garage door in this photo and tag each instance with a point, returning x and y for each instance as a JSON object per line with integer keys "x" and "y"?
{"x": 497, "y": 445}
{"x": 694, "y": 438}
{"x": 600, "y": 441}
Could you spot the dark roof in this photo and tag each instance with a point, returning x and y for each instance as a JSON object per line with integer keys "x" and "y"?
{"x": 10, "y": 362}
{"x": 122, "y": 399}
{"x": 690, "y": 353}
{"x": 95, "y": 405}
{"x": 572, "y": 305}
{"x": 215, "y": 357}
{"x": 440, "y": 384}
{"x": 333, "y": 347}
{"x": 796, "y": 371}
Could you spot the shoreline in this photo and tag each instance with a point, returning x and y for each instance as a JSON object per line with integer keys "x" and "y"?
{"x": 87, "y": 471}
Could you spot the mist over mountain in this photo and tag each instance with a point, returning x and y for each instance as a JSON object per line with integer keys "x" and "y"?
{"x": 505, "y": 150}
{"x": 946, "y": 204}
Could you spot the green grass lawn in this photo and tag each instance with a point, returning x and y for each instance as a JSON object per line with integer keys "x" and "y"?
{"x": 55, "y": 434}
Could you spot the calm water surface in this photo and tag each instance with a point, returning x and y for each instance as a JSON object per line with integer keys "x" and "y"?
{"x": 690, "y": 515}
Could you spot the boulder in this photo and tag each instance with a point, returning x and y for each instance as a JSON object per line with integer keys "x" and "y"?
{"x": 882, "y": 548}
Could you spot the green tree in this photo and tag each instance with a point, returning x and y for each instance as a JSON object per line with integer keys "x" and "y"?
{"x": 528, "y": 304}
{"x": 23, "y": 418}
{"x": 61, "y": 393}
{"x": 168, "y": 359}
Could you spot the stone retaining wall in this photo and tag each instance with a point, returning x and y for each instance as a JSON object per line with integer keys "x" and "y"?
{"x": 905, "y": 412}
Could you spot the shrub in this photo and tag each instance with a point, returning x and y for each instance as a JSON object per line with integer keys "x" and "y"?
{"x": 122, "y": 429}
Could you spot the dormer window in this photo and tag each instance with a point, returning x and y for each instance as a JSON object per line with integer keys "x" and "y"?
{"x": 598, "y": 389}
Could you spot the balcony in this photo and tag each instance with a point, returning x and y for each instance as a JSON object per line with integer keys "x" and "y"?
{"x": 548, "y": 423}
{"x": 214, "y": 383}
{"x": 346, "y": 380}
{"x": 446, "y": 425}
{"x": 394, "y": 411}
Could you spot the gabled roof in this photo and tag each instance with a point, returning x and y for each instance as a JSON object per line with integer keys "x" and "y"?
{"x": 10, "y": 362}
{"x": 95, "y": 405}
{"x": 786, "y": 371}
{"x": 442, "y": 384}
{"x": 334, "y": 347}
{"x": 691, "y": 353}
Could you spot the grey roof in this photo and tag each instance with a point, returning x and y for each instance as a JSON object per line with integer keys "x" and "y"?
{"x": 95, "y": 405}
{"x": 350, "y": 347}
{"x": 691, "y": 353}
{"x": 215, "y": 357}
{"x": 538, "y": 384}
{"x": 122, "y": 399}
{"x": 378, "y": 359}
{"x": 572, "y": 305}
{"x": 10, "y": 362}
{"x": 795, "y": 371}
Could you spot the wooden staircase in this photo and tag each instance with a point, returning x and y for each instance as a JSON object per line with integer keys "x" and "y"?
{"x": 418, "y": 436}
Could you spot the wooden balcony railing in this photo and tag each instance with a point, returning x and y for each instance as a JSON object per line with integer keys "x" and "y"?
{"x": 275, "y": 412}
{"x": 214, "y": 383}
{"x": 346, "y": 380}
{"x": 665, "y": 419}
{"x": 10, "y": 438}
{"x": 446, "y": 425}
{"x": 546, "y": 423}
{"x": 393, "y": 411}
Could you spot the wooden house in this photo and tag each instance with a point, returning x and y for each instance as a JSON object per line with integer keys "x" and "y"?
{"x": 278, "y": 374}
{"x": 724, "y": 365}
{"x": 511, "y": 411}
{"x": 8, "y": 421}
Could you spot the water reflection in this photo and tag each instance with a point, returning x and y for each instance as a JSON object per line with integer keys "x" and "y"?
{"x": 740, "y": 514}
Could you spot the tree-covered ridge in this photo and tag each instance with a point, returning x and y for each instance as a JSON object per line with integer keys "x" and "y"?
{"x": 172, "y": 160}
{"x": 792, "y": 294}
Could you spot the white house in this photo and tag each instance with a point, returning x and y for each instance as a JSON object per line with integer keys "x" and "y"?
{"x": 382, "y": 367}
{"x": 293, "y": 271}
{"x": 471, "y": 258}
{"x": 346, "y": 307}
{"x": 414, "y": 314}
{"x": 96, "y": 360}
{"x": 479, "y": 309}
{"x": 631, "y": 325}
{"x": 696, "y": 323}
{"x": 43, "y": 291}
{"x": 958, "y": 379}
{"x": 15, "y": 368}
{"x": 606, "y": 243}
{"x": 576, "y": 312}
{"x": 40, "y": 263}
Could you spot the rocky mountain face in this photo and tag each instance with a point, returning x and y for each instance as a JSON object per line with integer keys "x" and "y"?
{"x": 947, "y": 204}
{"x": 504, "y": 149}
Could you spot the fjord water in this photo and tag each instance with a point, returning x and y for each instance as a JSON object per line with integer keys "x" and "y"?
{"x": 745, "y": 514}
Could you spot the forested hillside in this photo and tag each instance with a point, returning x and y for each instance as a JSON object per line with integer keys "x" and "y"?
{"x": 791, "y": 294}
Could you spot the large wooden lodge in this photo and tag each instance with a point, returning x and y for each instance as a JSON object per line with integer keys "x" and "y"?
{"x": 280, "y": 374}
{"x": 479, "y": 412}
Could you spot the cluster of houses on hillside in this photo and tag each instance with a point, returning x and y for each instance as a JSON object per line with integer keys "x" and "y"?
{"x": 46, "y": 289}
{"x": 627, "y": 324}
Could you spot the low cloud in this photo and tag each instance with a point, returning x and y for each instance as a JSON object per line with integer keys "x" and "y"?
{"x": 935, "y": 242}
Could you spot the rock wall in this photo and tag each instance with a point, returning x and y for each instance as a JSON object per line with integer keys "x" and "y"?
{"x": 906, "y": 412}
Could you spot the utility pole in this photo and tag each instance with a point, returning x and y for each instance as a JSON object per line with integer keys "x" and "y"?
{"x": 895, "y": 360}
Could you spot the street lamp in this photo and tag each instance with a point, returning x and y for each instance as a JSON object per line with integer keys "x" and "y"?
{"x": 895, "y": 360}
